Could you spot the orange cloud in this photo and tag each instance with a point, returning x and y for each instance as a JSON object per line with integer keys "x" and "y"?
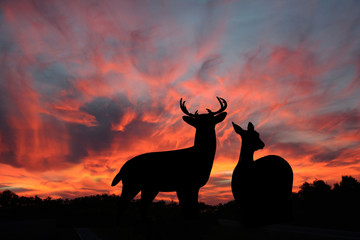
{"x": 86, "y": 87}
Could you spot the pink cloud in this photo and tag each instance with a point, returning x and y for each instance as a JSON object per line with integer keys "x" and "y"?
{"x": 85, "y": 87}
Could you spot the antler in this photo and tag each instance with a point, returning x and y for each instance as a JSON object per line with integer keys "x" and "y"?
{"x": 183, "y": 108}
{"x": 223, "y": 105}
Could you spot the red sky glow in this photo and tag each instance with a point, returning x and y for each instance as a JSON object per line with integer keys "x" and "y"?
{"x": 87, "y": 85}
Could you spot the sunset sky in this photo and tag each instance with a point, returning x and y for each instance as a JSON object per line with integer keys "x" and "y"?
{"x": 87, "y": 85}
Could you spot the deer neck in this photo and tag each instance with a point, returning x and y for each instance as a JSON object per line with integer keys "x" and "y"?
{"x": 246, "y": 155}
{"x": 205, "y": 140}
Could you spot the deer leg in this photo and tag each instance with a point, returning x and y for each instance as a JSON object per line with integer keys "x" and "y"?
{"x": 127, "y": 194}
{"x": 180, "y": 196}
{"x": 147, "y": 196}
{"x": 190, "y": 204}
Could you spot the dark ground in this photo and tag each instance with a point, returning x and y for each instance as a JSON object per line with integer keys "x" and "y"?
{"x": 88, "y": 218}
{"x": 319, "y": 212}
{"x": 201, "y": 230}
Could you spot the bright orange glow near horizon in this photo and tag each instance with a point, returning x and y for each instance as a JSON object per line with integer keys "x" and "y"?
{"x": 86, "y": 86}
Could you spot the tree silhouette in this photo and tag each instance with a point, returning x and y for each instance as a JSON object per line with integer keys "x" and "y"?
{"x": 347, "y": 198}
{"x": 316, "y": 204}
{"x": 348, "y": 185}
{"x": 313, "y": 190}
{"x": 7, "y": 198}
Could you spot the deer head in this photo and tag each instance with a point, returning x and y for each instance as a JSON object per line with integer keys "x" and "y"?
{"x": 250, "y": 138}
{"x": 205, "y": 120}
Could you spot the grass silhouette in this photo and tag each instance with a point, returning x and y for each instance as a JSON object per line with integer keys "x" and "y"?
{"x": 317, "y": 204}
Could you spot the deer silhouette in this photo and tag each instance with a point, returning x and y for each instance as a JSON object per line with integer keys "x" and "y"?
{"x": 184, "y": 171}
{"x": 263, "y": 187}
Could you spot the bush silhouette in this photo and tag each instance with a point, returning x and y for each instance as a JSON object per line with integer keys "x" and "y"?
{"x": 316, "y": 204}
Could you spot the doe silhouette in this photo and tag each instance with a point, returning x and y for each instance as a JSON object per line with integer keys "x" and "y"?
{"x": 263, "y": 187}
{"x": 184, "y": 171}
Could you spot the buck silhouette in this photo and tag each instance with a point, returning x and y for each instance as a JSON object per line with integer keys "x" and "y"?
{"x": 184, "y": 171}
{"x": 263, "y": 187}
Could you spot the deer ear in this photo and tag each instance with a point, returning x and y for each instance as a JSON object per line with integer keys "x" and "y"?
{"x": 237, "y": 128}
{"x": 220, "y": 117}
{"x": 190, "y": 121}
{"x": 251, "y": 127}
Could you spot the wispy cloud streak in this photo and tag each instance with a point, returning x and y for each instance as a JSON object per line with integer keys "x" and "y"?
{"x": 86, "y": 85}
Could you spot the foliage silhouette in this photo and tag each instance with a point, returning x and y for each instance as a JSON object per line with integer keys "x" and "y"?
{"x": 348, "y": 186}
{"x": 322, "y": 205}
{"x": 8, "y": 198}
{"x": 339, "y": 209}
{"x": 184, "y": 171}
{"x": 263, "y": 187}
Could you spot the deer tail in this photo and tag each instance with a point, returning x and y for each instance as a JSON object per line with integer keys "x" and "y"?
{"x": 117, "y": 178}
